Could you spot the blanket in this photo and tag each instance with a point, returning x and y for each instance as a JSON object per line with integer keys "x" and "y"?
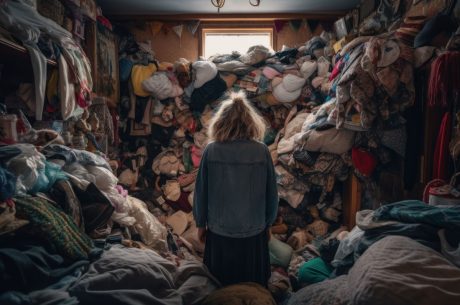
{"x": 135, "y": 276}
{"x": 395, "y": 270}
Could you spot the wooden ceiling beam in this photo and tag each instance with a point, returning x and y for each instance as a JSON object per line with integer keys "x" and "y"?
{"x": 333, "y": 15}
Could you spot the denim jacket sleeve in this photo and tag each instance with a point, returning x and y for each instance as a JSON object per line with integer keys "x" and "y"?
{"x": 271, "y": 192}
{"x": 200, "y": 197}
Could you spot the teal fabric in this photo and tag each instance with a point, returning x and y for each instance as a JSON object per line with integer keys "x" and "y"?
{"x": 314, "y": 271}
{"x": 414, "y": 211}
{"x": 47, "y": 177}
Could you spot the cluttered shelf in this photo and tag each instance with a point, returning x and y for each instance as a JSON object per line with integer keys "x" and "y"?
{"x": 11, "y": 51}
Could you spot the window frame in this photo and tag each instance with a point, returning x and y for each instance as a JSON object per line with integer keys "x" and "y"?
{"x": 234, "y": 28}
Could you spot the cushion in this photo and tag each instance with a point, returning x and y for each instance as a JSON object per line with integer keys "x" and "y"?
{"x": 139, "y": 73}
{"x": 204, "y": 72}
{"x": 159, "y": 85}
{"x": 308, "y": 68}
{"x": 289, "y": 89}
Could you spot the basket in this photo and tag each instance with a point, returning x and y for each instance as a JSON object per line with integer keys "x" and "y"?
{"x": 439, "y": 193}
{"x": 52, "y": 9}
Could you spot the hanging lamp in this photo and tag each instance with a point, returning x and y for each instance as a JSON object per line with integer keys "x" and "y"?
{"x": 220, "y": 3}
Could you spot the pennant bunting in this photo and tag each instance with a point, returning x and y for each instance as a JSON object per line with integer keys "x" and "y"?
{"x": 178, "y": 30}
{"x": 279, "y": 25}
{"x": 166, "y": 28}
{"x": 192, "y": 26}
{"x": 155, "y": 27}
{"x": 295, "y": 24}
{"x": 312, "y": 24}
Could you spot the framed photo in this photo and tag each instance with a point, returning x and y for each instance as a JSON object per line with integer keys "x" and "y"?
{"x": 107, "y": 84}
{"x": 89, "y": 8}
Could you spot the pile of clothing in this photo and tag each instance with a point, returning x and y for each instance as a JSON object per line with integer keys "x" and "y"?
{"x": 70, "y": 232}
{"x": 328, "y": 112}
{"x": 71, "y": 83}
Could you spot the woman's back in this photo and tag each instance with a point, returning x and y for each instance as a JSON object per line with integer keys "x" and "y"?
{"x": 237, "y": 187}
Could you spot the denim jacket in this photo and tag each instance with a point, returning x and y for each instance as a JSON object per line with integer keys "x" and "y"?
{"x": 235, "y": 191}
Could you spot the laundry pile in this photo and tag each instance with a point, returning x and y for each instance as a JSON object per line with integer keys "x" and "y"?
{"x": 328, "y": 112}
{"x": 69, "y": 89}
{"x": 332, "y": 109}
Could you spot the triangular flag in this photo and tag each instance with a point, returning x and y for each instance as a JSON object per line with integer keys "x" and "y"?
{"x": 178, "y": 30}
{"x": 279, "y": 24}
{"x": 192, "y": 26}
{"x": 312, "y": 24}
{"x": 295, "y": 24}
{"x": 166, "y": 28}
{"x": 155, "y": 27}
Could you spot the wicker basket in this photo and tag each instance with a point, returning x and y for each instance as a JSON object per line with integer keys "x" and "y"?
{"x": 52, "y": 9}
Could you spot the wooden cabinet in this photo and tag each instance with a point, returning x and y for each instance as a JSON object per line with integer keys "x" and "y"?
{"x": 351, "y": 201}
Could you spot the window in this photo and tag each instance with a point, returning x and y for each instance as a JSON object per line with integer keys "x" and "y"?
{"x": 226, "y": 40}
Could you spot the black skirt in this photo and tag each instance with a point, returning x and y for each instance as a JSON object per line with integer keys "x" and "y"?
{"x": 236, "y": 260}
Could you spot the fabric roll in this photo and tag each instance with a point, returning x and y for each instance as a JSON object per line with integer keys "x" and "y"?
{"x": 54, "y": 227}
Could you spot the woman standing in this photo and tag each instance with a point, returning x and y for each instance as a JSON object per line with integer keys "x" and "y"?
{"x": 236, "y": 198}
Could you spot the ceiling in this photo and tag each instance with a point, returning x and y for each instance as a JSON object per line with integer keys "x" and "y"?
{"x": 173, "y": 7}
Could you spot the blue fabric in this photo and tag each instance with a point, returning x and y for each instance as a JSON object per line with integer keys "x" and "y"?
{"x": 25, "y": 266}
{"x": 7, "y": 152}
{"x": 126, "y": 65}
{"x": 55, "y": 294}
{"x": 414, "y": 211}
{"x": 47, "y": 177}
{"x": 7, "y": 184}
{"x": 235, "y": 191}
{"x": 56, "y": 151}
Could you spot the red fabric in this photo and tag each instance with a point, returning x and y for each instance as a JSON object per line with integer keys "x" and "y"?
{"x": 336, "y": 69}
{"x": 363, "y": 161}
{"x": 444, "y": 79}
{"x": 441, "y": 153}
{"x": 81, "y": 100}
{"x": 105, "y": 22}
{"x": 181, "y": 204}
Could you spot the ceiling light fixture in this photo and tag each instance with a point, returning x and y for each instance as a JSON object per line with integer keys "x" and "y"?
{"x": 220, "y": 3}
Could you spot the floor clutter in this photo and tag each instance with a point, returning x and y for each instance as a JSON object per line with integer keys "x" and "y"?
{"x": 100, "y": 211}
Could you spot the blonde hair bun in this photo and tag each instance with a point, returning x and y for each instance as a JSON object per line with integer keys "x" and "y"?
{"x": 236, "y": 119}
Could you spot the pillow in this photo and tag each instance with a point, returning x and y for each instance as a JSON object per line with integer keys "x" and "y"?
{"x": 395, "y": 270}
{"x": 400, "y": 271}
{"x": 204, "y": 72}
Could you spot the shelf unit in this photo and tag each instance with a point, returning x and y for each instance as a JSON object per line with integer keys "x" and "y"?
{"x": 12, "y": 51}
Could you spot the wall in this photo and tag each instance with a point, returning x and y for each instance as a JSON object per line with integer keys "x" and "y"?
{"x": 168, "y": 47}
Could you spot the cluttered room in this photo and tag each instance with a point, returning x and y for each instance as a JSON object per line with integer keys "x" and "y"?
{"x": 118, "y": 187}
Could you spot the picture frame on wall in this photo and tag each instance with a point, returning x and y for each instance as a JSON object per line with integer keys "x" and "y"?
{"x": 107, "y": 84}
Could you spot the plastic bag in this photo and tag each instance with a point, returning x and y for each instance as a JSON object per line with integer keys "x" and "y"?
{"x": 105, "y": 180}
{"x": 348, "y": 245}
{"x": 79, "y": 171}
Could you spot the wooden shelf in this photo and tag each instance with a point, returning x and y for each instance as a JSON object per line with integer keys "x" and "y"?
{"x": 12, "y": 51}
